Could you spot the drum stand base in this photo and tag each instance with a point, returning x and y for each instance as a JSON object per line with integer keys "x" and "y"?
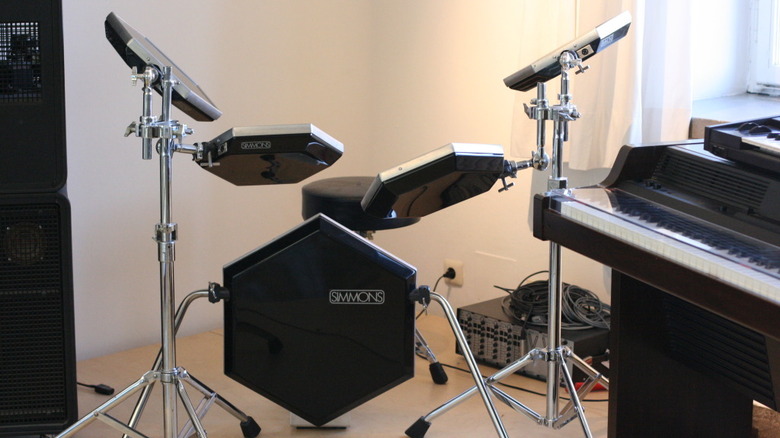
{"x": 572, "y": 410}
{"x": 558, "y": 360}
{"x": 249, "y": 427}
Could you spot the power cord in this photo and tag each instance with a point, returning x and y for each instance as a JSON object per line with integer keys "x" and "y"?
{"x": 449, "y": 273}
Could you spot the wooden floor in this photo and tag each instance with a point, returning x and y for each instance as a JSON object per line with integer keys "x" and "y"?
{"x": 387, "y": 415}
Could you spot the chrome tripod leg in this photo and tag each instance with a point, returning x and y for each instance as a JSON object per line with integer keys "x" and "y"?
{"x": 248, "y": 425}
{"x": 589, "y": 370}
{"x": 194, "y": 418}
{"x": 144, "y": 397}
{"x": 575, "y": 398}
{"x": 101, "y": 412}
{"x": 147, "y": 391}
{"x": 436, "y": 369}
{"x": 508, "y": 370}
{"x": 569, "y": 411}
{"x": 421, "y": 426}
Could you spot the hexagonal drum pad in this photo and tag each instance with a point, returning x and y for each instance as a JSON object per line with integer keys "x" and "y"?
{"x": 319, "y": 320}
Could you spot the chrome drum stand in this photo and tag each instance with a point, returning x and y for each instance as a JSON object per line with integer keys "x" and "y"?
{"x": 556, "y": 355}
{"x": 165, "y": 369}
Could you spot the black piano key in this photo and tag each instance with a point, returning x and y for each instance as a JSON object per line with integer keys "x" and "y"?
{"x": 757, "y": 254}
{"x": 745, "y": 127}
{"x": 759, "y": 130}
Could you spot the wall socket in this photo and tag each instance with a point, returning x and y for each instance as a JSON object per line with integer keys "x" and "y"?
{"x": 457, "y": 265}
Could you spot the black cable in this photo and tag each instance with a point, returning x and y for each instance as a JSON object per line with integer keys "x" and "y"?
{"x": 99, "y": 388}
{"x": 435, "y": 285}
{"x": 434, "y": 289}
{"x": 584, "y": 306}
{"x": 529, "y": 305}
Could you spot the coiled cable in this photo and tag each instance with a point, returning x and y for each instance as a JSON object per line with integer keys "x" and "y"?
{"x": 581, "y": 309}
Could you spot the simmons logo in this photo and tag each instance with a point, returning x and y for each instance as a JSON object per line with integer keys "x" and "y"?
{"x": 357, "y": 296}
{"x": 256, "y": 145}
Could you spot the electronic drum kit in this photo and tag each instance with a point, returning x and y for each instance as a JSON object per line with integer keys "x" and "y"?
{"x": 323, "y": 288}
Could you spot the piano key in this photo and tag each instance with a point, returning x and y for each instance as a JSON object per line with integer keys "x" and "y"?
{"x": 766, "y": 144}
{"x": 739, "y": 260}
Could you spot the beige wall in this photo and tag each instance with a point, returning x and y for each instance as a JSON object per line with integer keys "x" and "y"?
{"x": 391, "y": 79}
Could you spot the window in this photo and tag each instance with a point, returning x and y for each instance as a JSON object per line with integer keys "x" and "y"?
{"x": 765, "y": 48}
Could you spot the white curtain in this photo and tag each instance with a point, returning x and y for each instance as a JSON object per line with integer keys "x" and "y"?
{"x": 636, "y": 91}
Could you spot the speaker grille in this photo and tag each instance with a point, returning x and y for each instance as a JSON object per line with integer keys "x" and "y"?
{"x": 30, "y": 248}
{"x": 722, "y": 183}
{"x": 720, "y": 348}
{"x": 33, "y": 323}
{"x": 20, "y": 62}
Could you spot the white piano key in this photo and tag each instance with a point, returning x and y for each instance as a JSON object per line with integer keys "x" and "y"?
{"x": 768, "y": 145}
{"x": 684, "y": 251}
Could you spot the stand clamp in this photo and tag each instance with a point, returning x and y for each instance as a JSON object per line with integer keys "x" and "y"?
{"x": 218, "y": 293}
{"x": 421, "y": 295}
{"x": 150, "y": 127}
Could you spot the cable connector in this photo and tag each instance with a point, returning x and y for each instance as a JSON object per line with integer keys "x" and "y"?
{"x": 104, "y": 389}
{"x": 99, "y": 388}
{"x": 450, "y": 273}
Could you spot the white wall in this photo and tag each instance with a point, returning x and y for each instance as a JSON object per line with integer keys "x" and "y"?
{"x": 391, "y": 79}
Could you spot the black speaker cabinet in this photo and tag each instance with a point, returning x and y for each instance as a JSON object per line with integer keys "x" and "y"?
{"x": 32, "y": 104}
{"x": 37, "y": 355}
{"x": 319, "y": 320}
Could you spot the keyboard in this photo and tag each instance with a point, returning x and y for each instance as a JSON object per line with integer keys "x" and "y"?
{"x": 746, "y": 263}
{"x": 692, "y": 243}
{"x": 752, "y": 142}
{"x": 770, "y": 145}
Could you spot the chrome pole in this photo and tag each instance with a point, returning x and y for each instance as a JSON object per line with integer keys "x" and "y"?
{"x": 553, "y": 333}
{"x": 555, "y": 289}
{"x": 165, "y": 235}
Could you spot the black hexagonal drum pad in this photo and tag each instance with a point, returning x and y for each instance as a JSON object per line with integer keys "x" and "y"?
{"x": 319, "y": 320}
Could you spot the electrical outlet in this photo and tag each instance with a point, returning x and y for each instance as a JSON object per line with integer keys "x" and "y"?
{"x": 457, "y": 265}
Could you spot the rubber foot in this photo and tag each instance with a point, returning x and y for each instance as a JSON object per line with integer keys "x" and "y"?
{"x": 250, "y": 428}
{"x": 418, "y": 429}
{"x": 438, "y": 374}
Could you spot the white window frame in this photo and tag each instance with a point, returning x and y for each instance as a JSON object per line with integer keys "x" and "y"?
{"x": 764, "y": 74}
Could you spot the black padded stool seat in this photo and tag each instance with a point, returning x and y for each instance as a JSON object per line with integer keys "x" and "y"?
{"x": 339, "y": 199}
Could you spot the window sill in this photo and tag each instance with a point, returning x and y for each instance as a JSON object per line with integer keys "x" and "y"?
{"x": 727, "y": 109}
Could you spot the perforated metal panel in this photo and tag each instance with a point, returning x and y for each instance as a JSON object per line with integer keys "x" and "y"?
{"x": 37, "y": 360}
{"x": 719, "y": 182}
{"x": 729, "y": 352}
{"x": 20, "y": 62}
{"x": 32, "y": 97}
